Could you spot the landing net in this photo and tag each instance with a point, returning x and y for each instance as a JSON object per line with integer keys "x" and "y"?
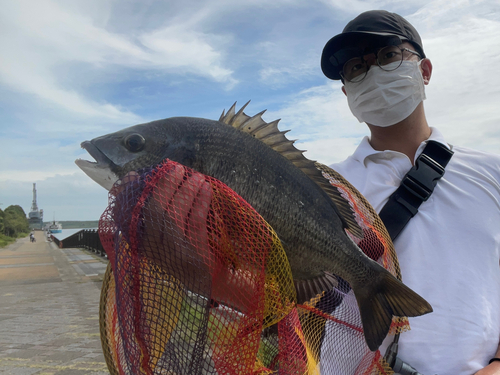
{"x": 199, "y": 283}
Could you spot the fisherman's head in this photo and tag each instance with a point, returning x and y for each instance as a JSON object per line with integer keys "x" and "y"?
{"x": 378, "y": 52}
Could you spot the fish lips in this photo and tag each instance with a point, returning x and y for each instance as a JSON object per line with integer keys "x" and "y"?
{"x": 97, "y": 154}
{"x": 101, "y": 171}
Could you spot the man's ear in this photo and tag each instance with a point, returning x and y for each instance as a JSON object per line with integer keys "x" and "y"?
{"x": 426, "y": 69}
{"x": 343, "y": 90}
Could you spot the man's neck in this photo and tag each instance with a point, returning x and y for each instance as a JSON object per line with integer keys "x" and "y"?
{"x": 405, "y": 136}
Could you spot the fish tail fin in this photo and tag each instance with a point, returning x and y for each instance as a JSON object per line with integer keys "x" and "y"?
{"x": 378, "y": 302}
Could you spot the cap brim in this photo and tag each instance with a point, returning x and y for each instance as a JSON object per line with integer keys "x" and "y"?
{"x": 348, "y": 40}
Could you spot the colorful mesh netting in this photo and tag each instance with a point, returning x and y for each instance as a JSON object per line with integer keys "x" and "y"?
{"x": 198, "y": 283}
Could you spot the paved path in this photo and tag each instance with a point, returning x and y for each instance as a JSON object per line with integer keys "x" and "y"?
{"x": 49, "y": 304}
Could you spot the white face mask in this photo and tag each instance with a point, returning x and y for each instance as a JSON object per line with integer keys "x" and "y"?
{"x": 385, "y": 98}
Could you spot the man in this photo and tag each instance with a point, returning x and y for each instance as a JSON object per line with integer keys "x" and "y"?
{"x": 449, "y": 251}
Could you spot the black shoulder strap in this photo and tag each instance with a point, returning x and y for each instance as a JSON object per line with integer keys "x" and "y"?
{"x": 416, "y": 187}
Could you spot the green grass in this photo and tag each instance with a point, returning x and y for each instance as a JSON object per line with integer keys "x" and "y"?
{"x": 6, "y": 240}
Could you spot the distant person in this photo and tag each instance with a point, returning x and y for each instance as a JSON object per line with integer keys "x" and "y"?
{"x": 449, "y": 251}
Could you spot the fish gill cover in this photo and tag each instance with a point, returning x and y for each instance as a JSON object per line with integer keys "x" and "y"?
{"x": 198, "y": 283}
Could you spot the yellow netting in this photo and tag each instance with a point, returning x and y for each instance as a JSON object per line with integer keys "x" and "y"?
{"x": 199, "y": 283}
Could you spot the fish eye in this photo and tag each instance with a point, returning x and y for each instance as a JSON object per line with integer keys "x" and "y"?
{"x": 134, "y": 142}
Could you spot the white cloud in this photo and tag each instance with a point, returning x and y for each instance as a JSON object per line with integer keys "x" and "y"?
{"x": 321, "y": 121}
{"x": 463, "y": 96}
{"x": 25, "y": 159}
{"x": 281, "y": 65}
{"x": 354, "y": 7}
{"x": 177, "y": 47}
{"x": 72, "y": 70}
{"x": 464, "y": 92}
{"x": 69, "y": 197}
{"x": 39, "y": 38}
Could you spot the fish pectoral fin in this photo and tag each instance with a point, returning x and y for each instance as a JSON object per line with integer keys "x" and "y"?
{"x": 307, "y": 289}
{"x": 343, "y": 205}
{"x": 379, "y": 302}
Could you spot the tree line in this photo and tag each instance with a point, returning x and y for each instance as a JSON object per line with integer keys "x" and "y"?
{"x": 13, "y": 224}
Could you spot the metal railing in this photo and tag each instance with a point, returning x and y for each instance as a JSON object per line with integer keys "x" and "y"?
{"x": 86, "y": 238}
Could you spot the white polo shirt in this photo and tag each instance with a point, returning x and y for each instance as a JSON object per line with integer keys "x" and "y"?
{"x": 449, "y": 253}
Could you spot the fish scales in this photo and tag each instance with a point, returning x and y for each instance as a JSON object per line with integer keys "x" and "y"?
{"x": 298, "y": 210}
{"x": 306, "y": 220}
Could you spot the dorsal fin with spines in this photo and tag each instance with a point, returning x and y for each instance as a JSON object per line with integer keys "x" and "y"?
{"x": 269, "y": 134}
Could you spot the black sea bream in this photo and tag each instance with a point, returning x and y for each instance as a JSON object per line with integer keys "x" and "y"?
{"x": 310, "y": 224}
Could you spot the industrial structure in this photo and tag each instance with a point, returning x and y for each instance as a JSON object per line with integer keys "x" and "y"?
{"x": 35, "y": 216}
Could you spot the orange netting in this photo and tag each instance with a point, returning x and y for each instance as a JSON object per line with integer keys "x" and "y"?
{"x": 199, "y": 283}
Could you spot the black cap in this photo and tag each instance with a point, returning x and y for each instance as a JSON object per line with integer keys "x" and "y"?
{"x": 377, "y": 28}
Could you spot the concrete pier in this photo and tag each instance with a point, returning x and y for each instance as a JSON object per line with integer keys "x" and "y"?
{"x": 49, "y": 309}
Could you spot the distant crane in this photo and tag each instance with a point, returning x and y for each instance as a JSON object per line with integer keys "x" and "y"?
{"x": 34, "y": 206}
{"x": 35, "y": 216}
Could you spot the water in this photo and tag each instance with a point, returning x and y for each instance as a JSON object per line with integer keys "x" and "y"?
{"x": 65, "y": 233}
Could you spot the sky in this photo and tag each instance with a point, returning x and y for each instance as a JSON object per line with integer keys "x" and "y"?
{"x": 72, "y": 70}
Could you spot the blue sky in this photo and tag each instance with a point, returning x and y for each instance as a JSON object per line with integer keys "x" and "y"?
{"x": 71, "y": 70}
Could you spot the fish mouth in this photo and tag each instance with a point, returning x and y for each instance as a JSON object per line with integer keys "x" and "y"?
{"x": 101, "y": 171}
{"x": 101, "y": 160}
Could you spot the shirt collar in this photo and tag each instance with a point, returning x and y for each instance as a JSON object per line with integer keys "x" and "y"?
{"x": 366, "y": 151}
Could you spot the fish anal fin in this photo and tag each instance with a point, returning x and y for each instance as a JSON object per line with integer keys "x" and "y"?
{"x": 307, "y": 289}
{"x": 379, "y": 302}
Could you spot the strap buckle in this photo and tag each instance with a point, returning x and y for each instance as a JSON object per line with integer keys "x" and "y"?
{"x": 421, "y": 180}
{"x": 416, "y": 187}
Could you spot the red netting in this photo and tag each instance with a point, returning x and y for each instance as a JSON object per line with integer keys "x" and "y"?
{"x": 199, "y": 283}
